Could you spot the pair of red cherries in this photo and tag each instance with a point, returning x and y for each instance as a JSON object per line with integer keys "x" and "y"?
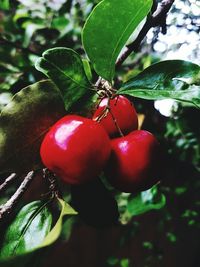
{"x": 78, "y": 149}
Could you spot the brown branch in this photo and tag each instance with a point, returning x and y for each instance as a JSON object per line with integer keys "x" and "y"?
{"x": 162, "y": 11}
{"x": 10, "y": 204}
{"x": 8, "y": 181}
{"x": 158, "y": 18}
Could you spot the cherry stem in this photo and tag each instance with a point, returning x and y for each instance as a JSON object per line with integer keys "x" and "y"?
{"x": 105, "y": 112}
{"x": 53, "y": 184}
{"x": 116, "y": 124}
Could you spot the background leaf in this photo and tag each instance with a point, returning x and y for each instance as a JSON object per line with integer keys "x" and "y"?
{"x": 27, "y": 231}
{"x": 65, "y": 67}
{"x": 134, "y": 205}
{"x": 145, "y": 201}
{"x": 176, "y": 79}
{"x": 4, "y": 4}
{"x": 107, "y": 30}
{"x": 23, "y": 123}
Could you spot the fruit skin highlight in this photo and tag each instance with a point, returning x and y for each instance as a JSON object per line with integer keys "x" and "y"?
{"x": 76, "y": 149}
{"x": 124, "y": 113}
{"x": 134, "y": 162}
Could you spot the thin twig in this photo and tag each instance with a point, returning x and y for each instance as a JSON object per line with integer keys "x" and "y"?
{"x": 10, "y": 204}
{"x": 107, "y": 110}
{"x": 157, "y": 19}
{"x": 98, "y": 82}
{"x": 53, "y": 183}
{"x": 8, "y": 181}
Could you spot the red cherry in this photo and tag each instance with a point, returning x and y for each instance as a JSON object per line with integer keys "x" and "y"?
{"x": 134, "y": 162}
{"x": 76, "y": 149}
{"x": 124, "y": 113}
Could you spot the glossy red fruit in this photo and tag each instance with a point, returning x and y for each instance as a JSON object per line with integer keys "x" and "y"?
{"x": 124, "y": 113}
{"x": 134, "y": 162}
{"x": 76, "y": 149}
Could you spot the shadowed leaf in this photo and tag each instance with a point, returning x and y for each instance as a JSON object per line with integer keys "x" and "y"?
{"x": 23, "y": 123}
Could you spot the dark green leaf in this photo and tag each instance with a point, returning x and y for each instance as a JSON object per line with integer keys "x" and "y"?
{"x": 64, "y": 66}
{"x": 107, "y": 30}
{"x": 27, "y": 231}
{"x": 146, "y": 201}
{"x": 23, "y": 123}
{"x": 176, "y": 79}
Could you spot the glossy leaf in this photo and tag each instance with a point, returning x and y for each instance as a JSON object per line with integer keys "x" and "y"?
{"x": 27, "y": 231}
{"x": 107, "y": 30}
{"x": 23, "y": 123}
{"x": 65, "y": 68}
{"x": 53, "y": 235}
{"x": 145, "y": 201}
{"x": 176, "y": 79}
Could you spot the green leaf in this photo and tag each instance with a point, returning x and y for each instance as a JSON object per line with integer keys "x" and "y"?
{"x": 107, "y": 30}
{"x": 65, "y": 68}
{"x": 31, "y": 230}
{"x": 56, "y": 231}
{"x": 145, "y": 201}
{"x": 124, "y": 263}
{"x": 27, "y": 231}
{"x": 4, "y": 4}
{"x": 176, "y": 79}
{"x": 87, "y": 69}
{"x": 23, "y": 123}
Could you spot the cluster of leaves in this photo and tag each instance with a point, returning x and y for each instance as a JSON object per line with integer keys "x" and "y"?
{"x": 182, "y": 134}
{"x": 27, "y": 28}
{"x": 36, "y": 107}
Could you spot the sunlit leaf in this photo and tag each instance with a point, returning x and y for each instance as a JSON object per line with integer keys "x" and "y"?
{"x": 107, "y": 30}
{"x": 53, "y": 235}
{"x": 176, "y": 79}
